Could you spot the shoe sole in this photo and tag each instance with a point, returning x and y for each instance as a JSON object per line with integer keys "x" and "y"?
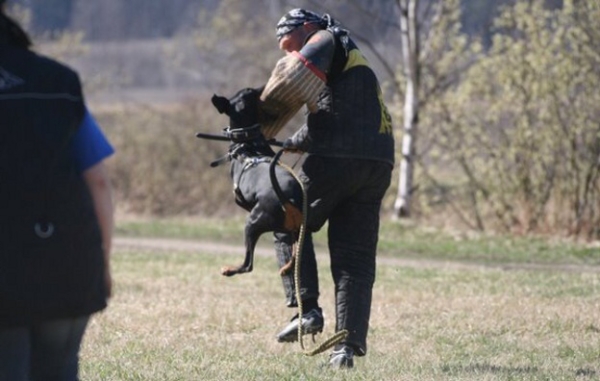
{"x": 293, "y": 336}
{"x": 341, "y": 362}
{"x": 344, "y": 365}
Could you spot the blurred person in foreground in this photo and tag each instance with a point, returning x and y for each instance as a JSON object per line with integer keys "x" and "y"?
{"x": 349, "y": 141}
{"x": 56, "y": 213}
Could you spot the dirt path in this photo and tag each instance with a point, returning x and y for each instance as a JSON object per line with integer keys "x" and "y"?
{"x": 180, "y": 245}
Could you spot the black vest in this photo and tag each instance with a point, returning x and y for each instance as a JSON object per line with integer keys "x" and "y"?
{"x": 352, "y": 120}
{"x": 51, "y": 261}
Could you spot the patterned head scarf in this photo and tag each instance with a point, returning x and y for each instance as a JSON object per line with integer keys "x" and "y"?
{"x": 297, "y": 17}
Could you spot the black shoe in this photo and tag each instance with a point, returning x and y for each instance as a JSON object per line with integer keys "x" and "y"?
{"x": 342, "y": 358}
{"x": 312, "y": 323}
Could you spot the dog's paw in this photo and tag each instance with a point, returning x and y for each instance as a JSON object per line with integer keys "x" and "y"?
{"x": 288, "y": 267}
{"x": 228, "y": 271}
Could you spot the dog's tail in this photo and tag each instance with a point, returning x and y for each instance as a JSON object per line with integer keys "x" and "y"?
{"x": 293, "y": 215}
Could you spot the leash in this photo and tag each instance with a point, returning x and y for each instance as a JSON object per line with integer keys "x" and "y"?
{"x": 338, "y": 336}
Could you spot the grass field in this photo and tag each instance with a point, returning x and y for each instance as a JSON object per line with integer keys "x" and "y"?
{"x": 459, "y": 316}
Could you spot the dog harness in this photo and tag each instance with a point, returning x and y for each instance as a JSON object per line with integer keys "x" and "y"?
{"x": 248, "y": 163}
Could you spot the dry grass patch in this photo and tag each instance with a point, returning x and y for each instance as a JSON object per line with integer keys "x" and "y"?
{"x": 174, "y": 317}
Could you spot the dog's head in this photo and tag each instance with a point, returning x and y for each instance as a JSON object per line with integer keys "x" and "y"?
{"x": 242, "y": 108}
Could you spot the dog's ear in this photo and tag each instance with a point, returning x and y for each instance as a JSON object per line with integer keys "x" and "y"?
{"x": 221, "y": 104}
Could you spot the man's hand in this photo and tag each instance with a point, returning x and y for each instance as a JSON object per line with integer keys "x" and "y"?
{"x": 299, "y": 142}
{"x": 290, "y": 146}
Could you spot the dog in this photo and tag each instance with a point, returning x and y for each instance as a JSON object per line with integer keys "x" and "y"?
{"x": 270, "y": 193}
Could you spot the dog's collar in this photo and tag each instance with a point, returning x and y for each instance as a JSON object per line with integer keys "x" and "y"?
{"x": 241, "y": 135}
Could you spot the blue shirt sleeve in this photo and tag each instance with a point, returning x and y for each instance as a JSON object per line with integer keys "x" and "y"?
{"x": 89, "y": 145}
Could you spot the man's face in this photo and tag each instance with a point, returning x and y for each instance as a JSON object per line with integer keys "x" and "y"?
{"x": 292, "y": 42}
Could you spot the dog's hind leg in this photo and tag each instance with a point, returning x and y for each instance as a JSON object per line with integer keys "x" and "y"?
{"x": 288, "y": 256}
{"x": 254, "y": 229}
{"x": 247, "y": 266}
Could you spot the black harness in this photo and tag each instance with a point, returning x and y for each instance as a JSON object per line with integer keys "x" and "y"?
{"x": 250, "y": 148}
{"x": 249, "y": 162}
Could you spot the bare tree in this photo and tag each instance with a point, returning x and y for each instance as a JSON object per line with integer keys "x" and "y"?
{"x": 428, "y": 31}
{"x": 410, "y": 60}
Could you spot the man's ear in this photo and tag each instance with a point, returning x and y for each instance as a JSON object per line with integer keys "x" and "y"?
{"x": 221, "y": 104}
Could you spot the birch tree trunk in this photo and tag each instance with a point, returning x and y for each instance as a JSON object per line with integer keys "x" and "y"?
{"x": 410, "y": 56}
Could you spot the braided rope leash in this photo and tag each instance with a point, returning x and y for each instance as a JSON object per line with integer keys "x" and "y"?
{"x": 338, "y": 336}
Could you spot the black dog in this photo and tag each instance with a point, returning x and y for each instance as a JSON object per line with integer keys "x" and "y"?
{"x": 269, "y": 192}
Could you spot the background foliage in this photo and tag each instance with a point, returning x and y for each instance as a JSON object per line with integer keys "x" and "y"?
{"x": 518, "y": 137}
{"x": 509, "y": 133}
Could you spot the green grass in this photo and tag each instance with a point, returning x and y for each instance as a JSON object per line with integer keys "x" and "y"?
{"x": 399, "y": 240}
{"x": 182, "y": 228}
{"x": 174, "y": 317}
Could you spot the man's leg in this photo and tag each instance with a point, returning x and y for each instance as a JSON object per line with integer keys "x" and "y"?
{"x": 352, "y": 244}
{"x": 55, "y": 349}
{"x": 14, "y": 354}
{"x": 309, "y": 277}
{"x": 312, "y": 317}
{"x": 353, "y": 235}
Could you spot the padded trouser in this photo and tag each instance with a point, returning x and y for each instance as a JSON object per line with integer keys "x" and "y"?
{"x": 348, "y": 194}
{"x": 309, "y": 279}
{"x": 353, "y": 231}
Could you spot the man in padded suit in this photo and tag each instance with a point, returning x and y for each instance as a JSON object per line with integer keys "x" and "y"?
{"x": 349, "y": 141}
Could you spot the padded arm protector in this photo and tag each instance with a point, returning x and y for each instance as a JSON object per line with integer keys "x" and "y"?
{"x": 293, "y": 83}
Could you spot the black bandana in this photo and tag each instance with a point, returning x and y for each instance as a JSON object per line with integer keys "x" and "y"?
{"x": 297, "y": 17}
